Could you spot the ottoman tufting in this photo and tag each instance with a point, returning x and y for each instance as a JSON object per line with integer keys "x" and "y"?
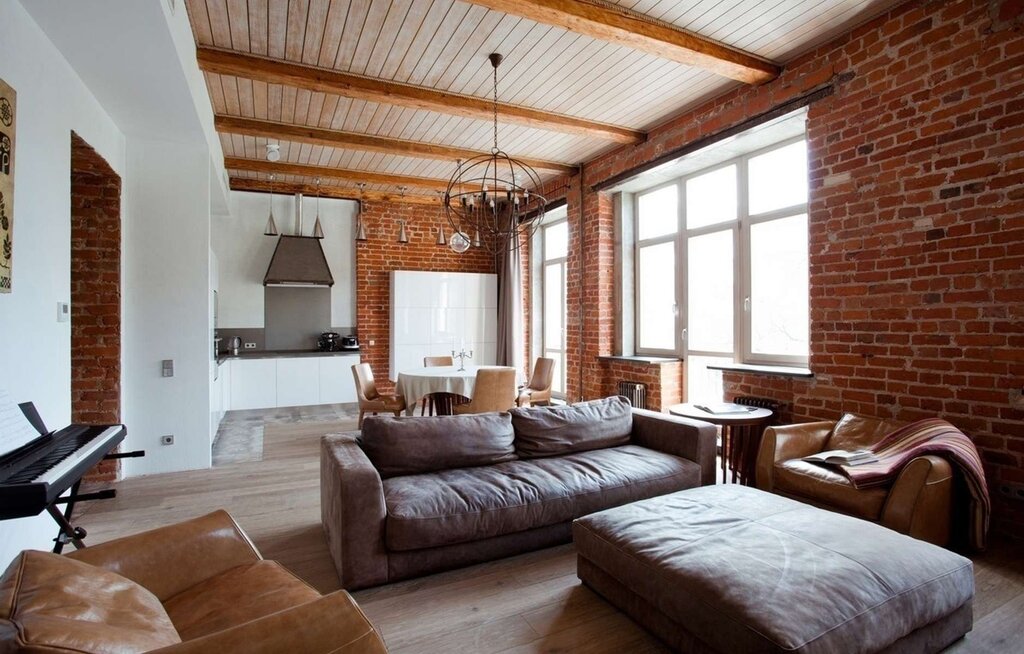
{"x": 733, "y": 569}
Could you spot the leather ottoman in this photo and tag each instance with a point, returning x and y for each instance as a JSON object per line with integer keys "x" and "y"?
{"x": 733, "y": 569}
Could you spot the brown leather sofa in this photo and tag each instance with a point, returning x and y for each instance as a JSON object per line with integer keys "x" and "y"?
{"x": 411, "y": 496}
{"x": 919, "y": 502}
{"x": 197, "y": 586}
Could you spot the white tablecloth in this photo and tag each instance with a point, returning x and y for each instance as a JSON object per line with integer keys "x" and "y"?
{"x": 416, "y": 384}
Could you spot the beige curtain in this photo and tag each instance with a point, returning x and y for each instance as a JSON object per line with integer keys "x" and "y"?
{"x": 510, "y": 309}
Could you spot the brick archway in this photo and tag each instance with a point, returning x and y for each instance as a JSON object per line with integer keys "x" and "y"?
{"x": 95, "y": 294}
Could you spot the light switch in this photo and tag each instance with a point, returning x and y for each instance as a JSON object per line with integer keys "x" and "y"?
{"x": 167, "y": 368}
{"x": 63, "y": 312}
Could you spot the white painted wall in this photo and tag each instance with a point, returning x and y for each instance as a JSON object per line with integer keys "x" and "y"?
{"x": 167, "y": 311}
{"x": 244, "y": 253}
{"x": 35, "y": 350}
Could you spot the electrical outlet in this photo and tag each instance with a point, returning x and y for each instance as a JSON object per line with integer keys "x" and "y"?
{"x": 167, "y": 440}
{"x": 1012, "y": 490}
{"x": 250, "y": 346}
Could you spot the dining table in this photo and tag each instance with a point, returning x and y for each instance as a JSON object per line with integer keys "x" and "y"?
{"x": 418, "y": 383}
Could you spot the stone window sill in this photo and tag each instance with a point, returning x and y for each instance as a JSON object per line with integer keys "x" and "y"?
{"x": 776, "y": 371}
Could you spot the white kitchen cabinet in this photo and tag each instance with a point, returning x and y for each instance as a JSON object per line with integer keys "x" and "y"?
{"x": 336, "y": 382}
{"x": 253, "y": 384}
{"x": 298, "y": 381}
{"x": 225, "y": 386}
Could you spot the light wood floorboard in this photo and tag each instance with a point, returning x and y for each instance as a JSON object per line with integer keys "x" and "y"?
{"x": 528, "y": 603}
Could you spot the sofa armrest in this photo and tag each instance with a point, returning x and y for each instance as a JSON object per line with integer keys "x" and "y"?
{"x": 331, "y": 624}
{"x": 353, "y": 512}
{"x": 788, "y": 442}
{"x": 690, "y": 439}
{"x": 920, "y": 500}
{"x": 171, "y": 559}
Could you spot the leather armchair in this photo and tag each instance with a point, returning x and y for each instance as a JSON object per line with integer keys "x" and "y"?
{"x": 919, "y": 503}
{"x": 197, "y": 586}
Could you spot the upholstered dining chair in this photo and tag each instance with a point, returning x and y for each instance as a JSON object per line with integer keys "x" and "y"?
{"x": 494, "y": 390}
{"x": 538, "y": 391}
{"x": 370, "y": 400}
{"x": 435, "y": 362}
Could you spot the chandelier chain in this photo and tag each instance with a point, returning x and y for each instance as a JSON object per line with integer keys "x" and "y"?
{"x": 495, "y": 109}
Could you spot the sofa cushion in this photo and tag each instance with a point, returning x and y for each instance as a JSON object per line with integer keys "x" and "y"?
{"x": 455, "y": 506}
{"x": 551, "y": 431}
{"x": 854, "y": 432}
{"x": 817, "y": 483}
{"x": 52, "y": 603}
{"x": 236, "y": 596}
{"x": 409, "y": 446}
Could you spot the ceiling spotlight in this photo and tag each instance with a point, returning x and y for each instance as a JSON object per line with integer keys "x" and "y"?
{"x": 273, "y": 152}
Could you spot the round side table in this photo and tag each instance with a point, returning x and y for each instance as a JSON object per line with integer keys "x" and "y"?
{"x": 739, "y": 446}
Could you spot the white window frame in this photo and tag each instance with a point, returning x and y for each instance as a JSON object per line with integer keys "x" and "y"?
{"x": 544, "y": 262}
{"x": 742, "y": 282}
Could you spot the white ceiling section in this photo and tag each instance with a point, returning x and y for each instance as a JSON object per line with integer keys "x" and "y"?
{"x": 443, "y": 45}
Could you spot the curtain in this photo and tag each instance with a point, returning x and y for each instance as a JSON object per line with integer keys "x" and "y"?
{"x": 510, "y": 308}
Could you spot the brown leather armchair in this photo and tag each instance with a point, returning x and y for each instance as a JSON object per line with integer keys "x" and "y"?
{"x": 370, "y": 399}
{"x": 197, "y": 586}
{"x": 493, "y": 390}
{"x": 918, "y": 503}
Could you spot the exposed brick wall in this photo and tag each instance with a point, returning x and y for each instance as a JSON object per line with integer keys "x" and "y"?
{"x": 381, "y": 254}
{"x": 95, "y": 294}
{"x": 664, "y": 380}
{"x": 916, "y": 224}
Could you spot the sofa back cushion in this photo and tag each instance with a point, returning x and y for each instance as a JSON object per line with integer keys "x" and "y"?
{"x": 411, "y": 446}
{"x": 52, "y": 603}
{"x": 551, "y": 431}
{"x": 854, "y": 432}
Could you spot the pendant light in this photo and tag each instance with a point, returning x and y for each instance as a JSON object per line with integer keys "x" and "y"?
{"x": 318, "y": 230}
{"x": 403, "y": 237}
{"x": 271, "y": 228}
{"x": 360, "y": 228}
{"x": 441, "y": 240}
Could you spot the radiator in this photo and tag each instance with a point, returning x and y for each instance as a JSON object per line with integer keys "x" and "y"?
{"x": 635, "y": 392}
{"x": 762, "y": 402}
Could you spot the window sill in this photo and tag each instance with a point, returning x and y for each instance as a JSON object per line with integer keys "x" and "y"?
{"x": 649, "y": 360}
{"x": 777, "y": 371}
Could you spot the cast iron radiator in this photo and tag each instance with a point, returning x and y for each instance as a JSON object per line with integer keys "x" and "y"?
{"x": 750, "y": 436}
{"x": 635, "y": 392}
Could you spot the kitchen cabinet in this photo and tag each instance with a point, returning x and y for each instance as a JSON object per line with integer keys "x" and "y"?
{"x": 298, "y": 382}
{"x": 336, "y": 382}
{"x": 253, "y": 384}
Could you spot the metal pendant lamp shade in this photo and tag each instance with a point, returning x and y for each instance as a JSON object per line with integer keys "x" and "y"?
{"x": 441, "y": 240}
{"x": 494, "y": 196}
{"x": 360, "y": 230}
{"x": 271, "y": 228}
{"x": 403, "y": 237}
{"x": 318, "y": 230}
{"x": 360, "y": 227}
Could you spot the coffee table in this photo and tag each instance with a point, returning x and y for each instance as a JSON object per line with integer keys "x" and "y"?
{"x": 739, "y": 448}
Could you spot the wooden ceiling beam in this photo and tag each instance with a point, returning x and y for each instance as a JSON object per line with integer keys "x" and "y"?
{"x": 337, "y": 192}
{"x": 606, "y": 22}
{"x": 275, "y": 71}
{"x": 355, "y": 176}
{"x": 351, "y": 140}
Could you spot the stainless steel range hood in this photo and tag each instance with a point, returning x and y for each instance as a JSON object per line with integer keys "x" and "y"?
{"x": 298, "y": 260}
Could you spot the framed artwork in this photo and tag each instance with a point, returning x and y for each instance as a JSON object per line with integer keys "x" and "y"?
{"x": 8, "y": 124}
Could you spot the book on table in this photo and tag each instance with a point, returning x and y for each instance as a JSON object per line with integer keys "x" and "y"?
{"x": 843, "y": 457}
{"x": 725, "y": 408}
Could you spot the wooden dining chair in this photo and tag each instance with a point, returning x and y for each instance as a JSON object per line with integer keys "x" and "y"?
{"x": 538, "y": 391}
{"x": 494, "y": 390}
{"x": 370, "y": 400}
{"x": 428, "y": 401}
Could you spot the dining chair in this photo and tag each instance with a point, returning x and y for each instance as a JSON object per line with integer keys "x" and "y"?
{"x": 370, "y": 400}
{"x": 494, "y": 390}
{"x": 428, "y": 401}
{"x": 538, "y": 391}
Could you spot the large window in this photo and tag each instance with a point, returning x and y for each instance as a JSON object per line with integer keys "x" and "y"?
{"x": 721, "y": 266}
{"x": 554, "y": 243}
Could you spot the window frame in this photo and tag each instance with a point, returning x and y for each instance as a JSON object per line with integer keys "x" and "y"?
{"x": 544, "y": 262}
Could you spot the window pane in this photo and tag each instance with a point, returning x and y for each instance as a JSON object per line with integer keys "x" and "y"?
{"x": 711, "y": 198}
{"x": 558, "y": 374}
{"x": 710, "y": 292}
{"x": 778, "y": 272}
{"x": 778, "y": 179}
{"x": 657, "y": 289}
{"x": 554, "y": 305}
{"x": 556, "y": 241}
{"x": 704, "y": 386}
{"x": 659, "y": 214}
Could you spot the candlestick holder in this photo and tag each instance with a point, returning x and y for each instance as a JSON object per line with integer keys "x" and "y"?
{"x": 462, "y": 355}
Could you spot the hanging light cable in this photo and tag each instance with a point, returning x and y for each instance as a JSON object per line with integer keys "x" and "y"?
{"x": 441, "y": 240}
{"x": 271, "y": 228}
{"x": 403, "y": 237}
{"x": 318, "y": 230}
{"x": 360, "y": 228}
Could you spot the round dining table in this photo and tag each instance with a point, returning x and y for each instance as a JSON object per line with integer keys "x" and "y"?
{"x": 418, "y": 383}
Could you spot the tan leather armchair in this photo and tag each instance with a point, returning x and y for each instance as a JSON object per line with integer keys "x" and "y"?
{"x": 919, "y": 503}
{"x": 370, "y": 399}
{"x": 197, "y": 586}
{"x": 494, "y": 390}
{"x": 538, "y": 391}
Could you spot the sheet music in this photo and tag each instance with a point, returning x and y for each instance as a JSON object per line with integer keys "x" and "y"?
{"x": 15, "y": 429}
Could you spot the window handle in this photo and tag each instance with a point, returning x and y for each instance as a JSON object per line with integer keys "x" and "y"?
{"x": 746, "y": 304}
{"x": 683, "y": 334}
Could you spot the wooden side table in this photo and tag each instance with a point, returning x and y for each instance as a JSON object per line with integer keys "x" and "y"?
{"x": 739, "y": 454}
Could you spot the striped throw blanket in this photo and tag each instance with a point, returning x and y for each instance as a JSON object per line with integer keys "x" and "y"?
{"x": 930, "y": 436}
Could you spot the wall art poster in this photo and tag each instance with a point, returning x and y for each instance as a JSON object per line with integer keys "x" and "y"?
{"x": 8, "y": 114}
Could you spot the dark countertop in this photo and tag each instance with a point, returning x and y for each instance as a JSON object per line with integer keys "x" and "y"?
{"x": 282, "y": 354}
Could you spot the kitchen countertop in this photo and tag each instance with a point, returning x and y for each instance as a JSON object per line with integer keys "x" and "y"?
{"x": 282, "y": 354}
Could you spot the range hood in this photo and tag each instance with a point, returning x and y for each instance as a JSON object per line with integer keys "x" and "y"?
{"x": 298, "y": 260}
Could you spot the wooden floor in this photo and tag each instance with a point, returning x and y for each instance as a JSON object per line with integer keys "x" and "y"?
{"x": 530, "y": 603}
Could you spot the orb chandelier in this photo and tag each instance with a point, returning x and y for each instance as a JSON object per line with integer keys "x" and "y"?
{"x": 493, "y": 197}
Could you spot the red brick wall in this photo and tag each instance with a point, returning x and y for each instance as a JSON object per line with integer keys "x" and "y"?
{"x": 664, "y": 380}
{"x": 95, "y": 294}
{"x": 916, "y": 224}
{"x": 381, "y": 253}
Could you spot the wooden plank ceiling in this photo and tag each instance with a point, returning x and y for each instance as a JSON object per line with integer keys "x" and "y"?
{"x": 391, "y": 92}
